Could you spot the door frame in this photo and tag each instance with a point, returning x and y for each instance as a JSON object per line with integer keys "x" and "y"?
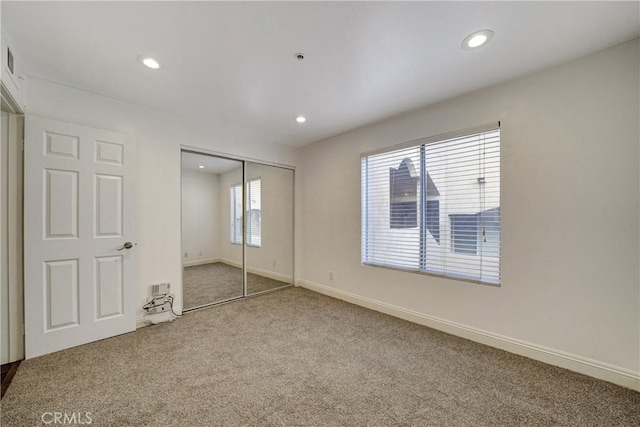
{"x": 12, "y": 184}
{"x": 243, "y": 159}
{"x": 15, "y": 238}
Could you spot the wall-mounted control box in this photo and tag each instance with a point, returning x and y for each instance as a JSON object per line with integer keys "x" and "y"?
{"x": 160, "y": 289}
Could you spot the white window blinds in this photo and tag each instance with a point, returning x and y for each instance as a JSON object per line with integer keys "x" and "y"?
{"x": 236, "y": 214}
{"x": 254, "y": 213}
{"x": 434, "y": 206}
{"x": 254, "y": 210}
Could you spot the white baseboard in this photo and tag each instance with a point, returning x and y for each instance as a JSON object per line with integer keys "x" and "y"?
{"x": 140, "y": 322}
{"x": 603, "y": 371}
{"x": 200, "y": 262}
{"x": 264, "y": 273}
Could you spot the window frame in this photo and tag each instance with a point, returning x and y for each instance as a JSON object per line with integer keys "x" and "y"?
{"x": 494, "y": 126}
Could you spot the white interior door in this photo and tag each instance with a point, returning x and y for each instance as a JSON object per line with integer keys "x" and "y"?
{"x": 79, "y": 213}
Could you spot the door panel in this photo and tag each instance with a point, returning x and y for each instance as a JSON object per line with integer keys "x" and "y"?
{"x": 109, "y": 152}
{"x": 108, "y": 206}
{"x": 61, "y": 201}
{"x": 109, "y": 286}
{"x": 79, "y": 210}
{"x": 61, "y": 284}
{"x": 61, "y": 145}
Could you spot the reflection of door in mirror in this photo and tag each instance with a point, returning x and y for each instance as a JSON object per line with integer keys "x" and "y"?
{"x": 269, "y": 206}
{"x": 212, "y": 260}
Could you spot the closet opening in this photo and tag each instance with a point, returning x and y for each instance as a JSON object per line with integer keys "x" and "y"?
{"x": 237, "y": 229}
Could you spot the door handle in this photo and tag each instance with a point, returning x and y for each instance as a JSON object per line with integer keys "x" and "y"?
{"x": 127, "y": 245}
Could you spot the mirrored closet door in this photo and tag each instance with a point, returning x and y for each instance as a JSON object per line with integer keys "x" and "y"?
{"x": 237, "y": 229}
{"x": 269, "y": 249}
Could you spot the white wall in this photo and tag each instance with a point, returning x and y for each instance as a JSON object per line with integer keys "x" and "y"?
{"x": 159, "y": 137}
{"x": 200, "y": 217}
{"x": 570, "y": 212}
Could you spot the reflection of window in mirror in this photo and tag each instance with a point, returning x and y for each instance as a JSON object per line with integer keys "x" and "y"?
{"x": 254, "y": 212}
{"x": 236, "y": 214}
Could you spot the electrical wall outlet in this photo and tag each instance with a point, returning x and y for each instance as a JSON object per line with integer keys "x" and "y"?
{"x": 186, "y": 254}
{"x": 274, "y": 263}
{"x": 331, "y": 275}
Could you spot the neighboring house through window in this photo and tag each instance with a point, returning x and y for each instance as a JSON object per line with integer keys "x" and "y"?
{"x": 403, "y": 185}
{"x": 475, "y": 233}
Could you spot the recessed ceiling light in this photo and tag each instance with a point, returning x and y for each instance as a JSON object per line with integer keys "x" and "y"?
{"x": 477, "y": 39}
{"x": 150, "y": 62}
{"x": 301, "y": 119}
{"x": 201, "y": 167}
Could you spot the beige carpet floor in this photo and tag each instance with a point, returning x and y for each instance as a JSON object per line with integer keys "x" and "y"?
{"x": 208, "y": 283}
{"x": 298, "y": 358}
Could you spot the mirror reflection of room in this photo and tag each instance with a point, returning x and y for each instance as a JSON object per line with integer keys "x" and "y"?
{"x": 206, "y": 278}
{"x": 269, "y": 250}
{"x": 214, "y": 204}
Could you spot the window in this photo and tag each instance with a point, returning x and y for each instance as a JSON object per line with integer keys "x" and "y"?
{"x": 434, "y": 206}
{"x": 254, "y": 213}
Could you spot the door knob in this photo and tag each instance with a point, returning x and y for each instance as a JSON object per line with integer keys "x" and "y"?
{"x": 127, "y": 245}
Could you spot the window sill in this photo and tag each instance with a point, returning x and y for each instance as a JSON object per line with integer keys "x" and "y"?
{"x": 427, "y": 273}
